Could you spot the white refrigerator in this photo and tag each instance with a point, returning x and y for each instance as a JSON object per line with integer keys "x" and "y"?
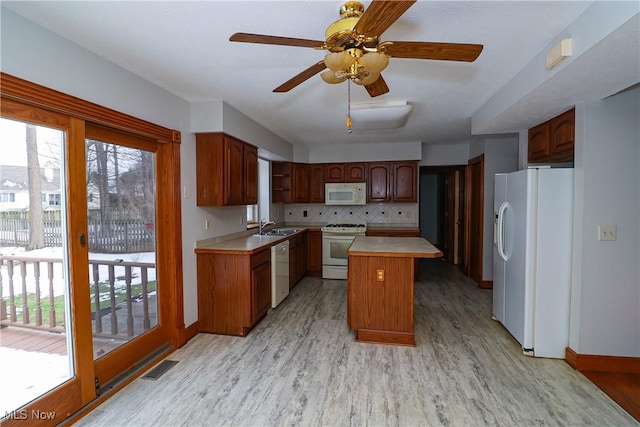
{"x": 532, "y": 258}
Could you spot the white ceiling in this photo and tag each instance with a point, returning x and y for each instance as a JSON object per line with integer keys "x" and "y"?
{"x": 183, "y": 47}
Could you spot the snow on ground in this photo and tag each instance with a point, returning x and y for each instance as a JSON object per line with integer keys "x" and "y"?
{"x": 41, "y": 373}
{"x": 58, "y": 276}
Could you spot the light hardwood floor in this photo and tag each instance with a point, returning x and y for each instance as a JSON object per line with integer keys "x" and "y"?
{"x": 301, "y": 366}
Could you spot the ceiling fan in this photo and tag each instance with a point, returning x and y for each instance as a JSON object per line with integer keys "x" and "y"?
{"x": 356, "y": 53}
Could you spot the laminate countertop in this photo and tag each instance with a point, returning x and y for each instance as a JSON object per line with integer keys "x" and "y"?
{"x": 244, "y": 245}
{"x": 401, "y": 247}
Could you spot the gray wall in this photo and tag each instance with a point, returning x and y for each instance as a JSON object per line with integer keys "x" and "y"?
{"x": 605, "y": 297}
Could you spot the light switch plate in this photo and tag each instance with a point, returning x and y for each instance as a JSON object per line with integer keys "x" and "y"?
{"x": 608, "y": 232}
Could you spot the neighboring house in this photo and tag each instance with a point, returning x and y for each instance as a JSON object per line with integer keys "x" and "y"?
{"x": 14, "y": 188}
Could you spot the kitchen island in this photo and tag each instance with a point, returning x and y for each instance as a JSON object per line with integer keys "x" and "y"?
{"x": 380, "y": 287}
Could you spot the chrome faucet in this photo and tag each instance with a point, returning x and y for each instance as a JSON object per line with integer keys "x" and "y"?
{"x": 262, "y": 223}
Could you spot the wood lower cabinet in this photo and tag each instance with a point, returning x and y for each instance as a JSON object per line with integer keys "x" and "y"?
{"x": 297, "y": 258}
{"x": 381, "y": 311}
{"x": 314, "y": 252}
{"x": 226, "y": 171}
{"x": 234, "y": 291}
{"x": 553, "y": 140}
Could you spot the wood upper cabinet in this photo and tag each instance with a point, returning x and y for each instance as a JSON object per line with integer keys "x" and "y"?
{"x": 316, "y": 183}
{"x": 226, "y": 171}
{"x": 379, "y": 182}
{"x": 250, "y": 157}
{"x": 553, "y": 140}
{"x": 405, "y": 176}
{"x": 562, "y": 133}
{"x": 334, "y": 172}
{"x": 281, "y": 180}
{"x": 356, "y": 172}
{"x": 539, "y": 142}
{"x": 300, "y": 174}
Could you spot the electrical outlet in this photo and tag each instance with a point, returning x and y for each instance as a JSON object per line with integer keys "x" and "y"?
{"x": 380, "y": 275}
{"x": 607, "y": 232}
{"x": 186, "y": 192}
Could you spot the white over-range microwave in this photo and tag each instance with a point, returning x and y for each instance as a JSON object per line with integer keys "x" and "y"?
{"x": 345, "y": 193}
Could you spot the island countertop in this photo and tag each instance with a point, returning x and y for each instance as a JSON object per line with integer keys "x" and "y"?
{"x": 402, "y": 247}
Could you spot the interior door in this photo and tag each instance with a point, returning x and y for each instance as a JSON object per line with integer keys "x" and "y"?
{"x": 475, "y": 218}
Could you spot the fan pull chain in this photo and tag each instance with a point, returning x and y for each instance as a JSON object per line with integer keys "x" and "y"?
{"x": 348, "y": 105}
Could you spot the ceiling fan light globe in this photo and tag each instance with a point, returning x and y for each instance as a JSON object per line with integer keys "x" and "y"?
{"x": 330, "y": 77}
{"x": 374, "y": 62}
{"x": 338, "y": 61}
{"x": 367, "y": 80}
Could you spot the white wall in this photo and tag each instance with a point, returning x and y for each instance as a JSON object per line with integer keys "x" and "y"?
{"x": 500, "y": 155}
{"x": 605, "y": 297}
{"x": 365, "y": 152}
{"x": 445, "y": 154}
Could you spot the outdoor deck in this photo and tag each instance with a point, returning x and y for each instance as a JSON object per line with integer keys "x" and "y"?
{"x": 27, "y": 339}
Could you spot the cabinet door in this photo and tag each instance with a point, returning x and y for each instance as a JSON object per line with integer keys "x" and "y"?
{"x": 538, "y": 146}
{"x": 260, "y": 290}
{"x": 233, "y": 170}
{"x": 562, "y": 132}
{"x": 314, "y": 251}
{"x": 404, "y": 182}
{"x": 293, "y": 257}
{"x": 355, "y": 172}
{"x": 316, "y": 183}
{"x": 250, "y": 175}
{"x": 378, "y": 183}
{"x": 334, "y": 172}
{"x": 300, "y": 183}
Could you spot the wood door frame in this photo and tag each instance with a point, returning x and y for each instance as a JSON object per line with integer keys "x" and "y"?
{"x": 470, "y": 186}
{"x": 449, "y": 170}
{"x": 26, "y": 101}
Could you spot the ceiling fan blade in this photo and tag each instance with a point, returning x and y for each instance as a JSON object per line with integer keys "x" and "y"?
{"x": 380, "y": 15}
{"x": 284, "y": 41}
{"x": 429, "y": 50}
{"x": 299, "y": 78}
{"x": 379, "y": 87}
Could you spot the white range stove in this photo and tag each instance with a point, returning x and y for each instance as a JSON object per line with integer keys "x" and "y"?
{"x": 336, "y": 239}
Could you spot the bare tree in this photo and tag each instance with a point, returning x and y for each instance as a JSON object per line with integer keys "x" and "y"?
{"x": 36, "y": 224}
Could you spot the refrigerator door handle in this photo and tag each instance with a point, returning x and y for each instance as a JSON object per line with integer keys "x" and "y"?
{"x": 501, "y": 239}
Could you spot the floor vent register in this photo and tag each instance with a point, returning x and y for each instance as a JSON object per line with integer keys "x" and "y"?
{"x": 160, "y": 369}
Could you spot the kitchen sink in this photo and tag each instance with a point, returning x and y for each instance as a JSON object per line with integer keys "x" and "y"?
{"x": 280, "y": 232}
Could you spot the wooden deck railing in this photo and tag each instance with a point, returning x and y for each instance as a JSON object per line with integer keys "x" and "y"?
{"x": 24, "y": 306}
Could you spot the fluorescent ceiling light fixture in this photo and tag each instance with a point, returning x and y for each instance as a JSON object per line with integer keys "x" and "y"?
{"x": 381, "y": 115}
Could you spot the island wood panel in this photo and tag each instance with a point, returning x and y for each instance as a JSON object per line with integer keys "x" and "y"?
{"x": 381, "y": 311}
{"x": 223, "y": 292}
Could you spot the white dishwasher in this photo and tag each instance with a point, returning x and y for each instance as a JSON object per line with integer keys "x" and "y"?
{"x": 279, "y": 272}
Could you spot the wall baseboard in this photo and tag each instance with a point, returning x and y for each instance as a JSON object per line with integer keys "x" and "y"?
{"x": 486, "y": 284}
{"x": 192, "y": 330}
{"x": 591, "y": 362}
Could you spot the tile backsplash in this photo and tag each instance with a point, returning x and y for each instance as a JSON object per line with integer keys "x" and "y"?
{"x": 384, "y": 214}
